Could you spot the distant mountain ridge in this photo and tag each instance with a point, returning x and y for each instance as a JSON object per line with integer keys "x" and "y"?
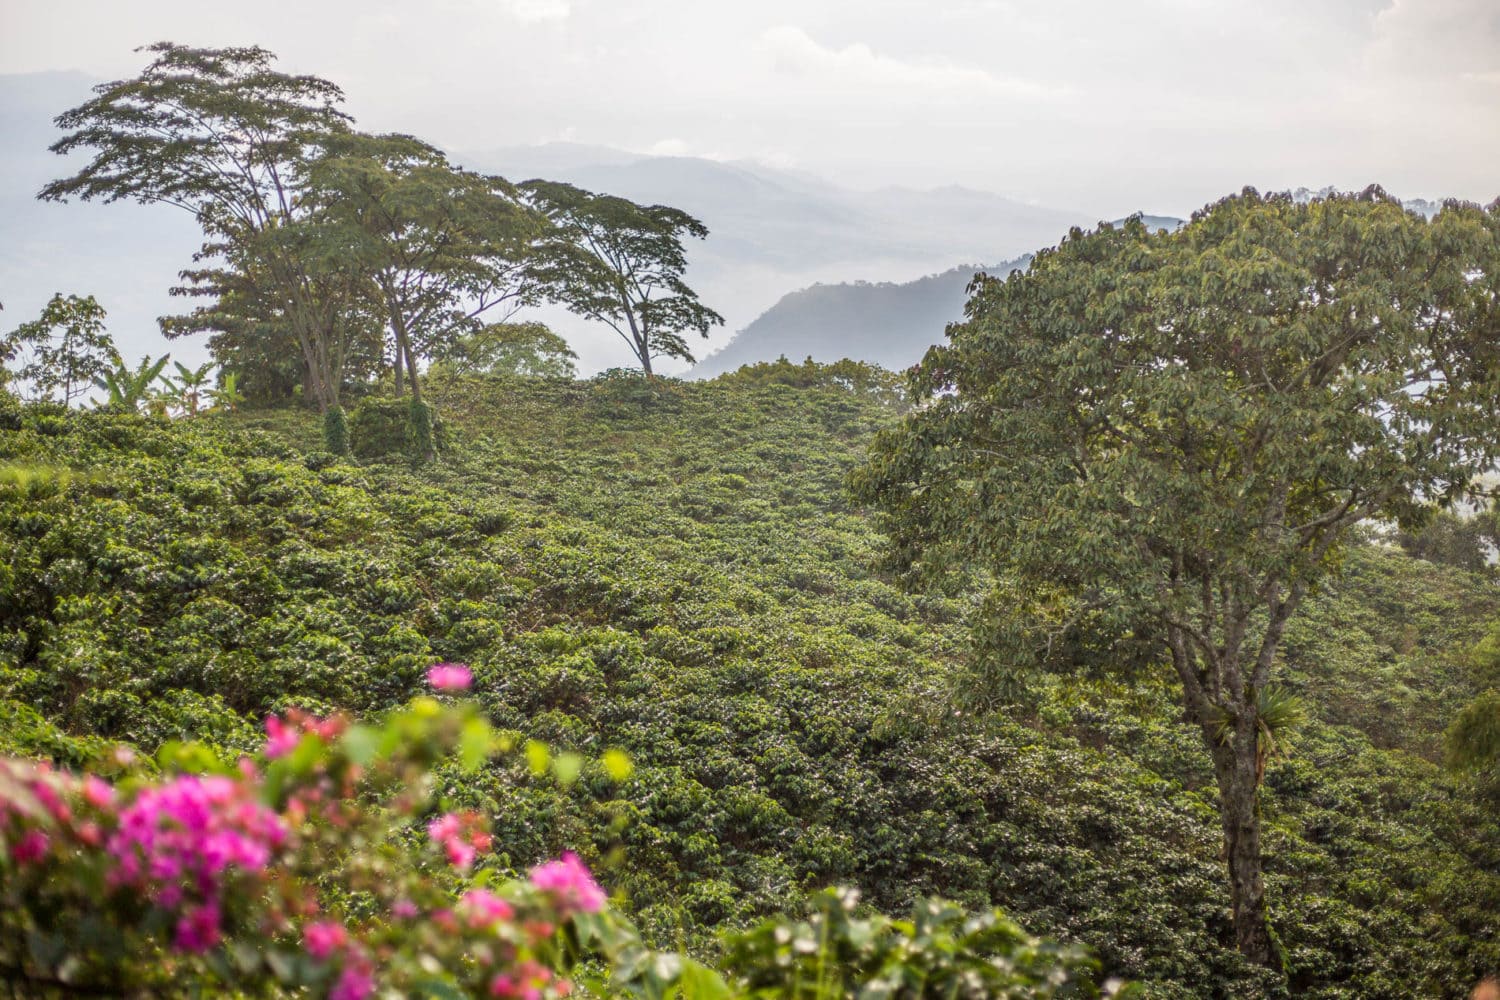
{"x": 890, "y": 324}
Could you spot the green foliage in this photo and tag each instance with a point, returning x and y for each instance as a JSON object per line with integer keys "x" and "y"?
{"x": 526, "y": 349}
{"x": 421, "y": 435}
{"x": 336, "y": 431}
{"x": 680, "y": 577}
{"x": 1465, "y": 541}
{"x": 128, "y": 390}
{"x": 62, "y": 352}
{"x": 856, "y": 376}
{"x": 1171, "y": 436}
{"x": 941, "y": 951}
{"x": 382, "y": 428}
{"x": 1474, "y": 737}
{"x": 611, "y": 260}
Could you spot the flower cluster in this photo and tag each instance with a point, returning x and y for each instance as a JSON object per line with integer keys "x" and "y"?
{"x": 568, "y": 881}
{"x": 283, "y": 734}
{"x": 462, "y": 836}
{"x": 450, "y": 677}
{"x": 179, "y": 840}
{"x": 243, "y": 868}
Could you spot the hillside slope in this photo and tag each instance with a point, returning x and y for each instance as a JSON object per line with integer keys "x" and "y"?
{"x": 674, "y": 569}
{"x": 888, "y": 323}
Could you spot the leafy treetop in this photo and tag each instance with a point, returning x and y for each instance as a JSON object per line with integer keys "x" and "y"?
{"x": 620, "y": 263}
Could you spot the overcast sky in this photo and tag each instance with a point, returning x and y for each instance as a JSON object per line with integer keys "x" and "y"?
{"x": 1106, "y": 106}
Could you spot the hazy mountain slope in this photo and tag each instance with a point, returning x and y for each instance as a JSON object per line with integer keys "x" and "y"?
{"x": 888, "y": 324}
{"x": 775, "y": 230}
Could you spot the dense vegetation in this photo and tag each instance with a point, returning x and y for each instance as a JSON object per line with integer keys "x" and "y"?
{"x": 675, "y": 570}
{"x": 1157, "y": 445}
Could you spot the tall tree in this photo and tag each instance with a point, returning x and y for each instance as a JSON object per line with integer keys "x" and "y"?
{"x": 444, "y": 247}
{"x": 224, "y": 135}
{"x": 1168, "y": 437}
{"x": 63, "y": 351}
{"x": 620, "y": 263}
{"x": 253, "y": 319}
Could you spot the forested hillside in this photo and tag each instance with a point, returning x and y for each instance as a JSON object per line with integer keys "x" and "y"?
{"x": 676, "y": 570}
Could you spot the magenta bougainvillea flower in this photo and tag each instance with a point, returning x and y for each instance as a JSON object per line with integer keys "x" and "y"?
{"x": 569, "y": 883}
{"x": 450, "y": 677}
{"x": 324, "y": 937}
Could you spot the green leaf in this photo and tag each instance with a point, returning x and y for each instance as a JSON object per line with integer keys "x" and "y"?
{"x": 617, "y": 765}
{"x": 538, "y": 757}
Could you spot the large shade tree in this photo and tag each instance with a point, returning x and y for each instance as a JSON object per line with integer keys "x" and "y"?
{"x": 443, "y": 247}
{"x": 1162, "y": 441}
{"x": 223, "y": 134}
{"x": 608, "y": 259}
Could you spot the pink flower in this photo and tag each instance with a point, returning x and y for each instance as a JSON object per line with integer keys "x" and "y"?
{"x": 450, "y": 677}
{"x": 404, "y": 909}
{"x": 568, "y": 881}
{"x": 461, "y": 836}
{"x": 525, "y": 982}
{"x": 281, "y": 739}
{"x": 355, "y": 983}
{"x": 323, "y": 938}
{"x": 283, "y": 735}
{"x": 483, "y": 909}
{"x": 97, "y": 792}
{"x": 198, "y": 929}
{"x": 187, "y": 833}
{"x": 32, "y": 847}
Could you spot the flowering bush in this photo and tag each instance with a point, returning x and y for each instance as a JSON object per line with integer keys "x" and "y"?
{"x": 325, "y": 866}
{"x": 301, "y": 868}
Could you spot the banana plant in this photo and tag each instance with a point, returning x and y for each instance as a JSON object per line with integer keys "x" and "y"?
{"x": 227, "y": 396}
{"x": 128, "y": 389}
{"x": 191, "y": 385}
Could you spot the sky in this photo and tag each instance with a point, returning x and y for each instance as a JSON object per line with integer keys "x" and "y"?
{"x": 1106, "y": 106}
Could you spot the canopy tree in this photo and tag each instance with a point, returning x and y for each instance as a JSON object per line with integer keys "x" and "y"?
{"x": 248, "y": 311}
{"x": 444, "y": 246}
{"x": 224, "y": 135}
{"x": 1163, "y": 440}
{"x": 611, "y": 260}
{"x": 62, "y": 351}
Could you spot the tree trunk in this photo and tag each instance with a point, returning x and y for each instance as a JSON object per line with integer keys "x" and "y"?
{"x": 411, "y": 371}
{"x": 400, "y": 354}
{"x": 1235, "y": 769}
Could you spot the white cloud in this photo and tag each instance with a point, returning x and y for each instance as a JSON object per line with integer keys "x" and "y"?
{"x": 859, "y": 67}
{"x": 536, "y": 11}
{"x": 669, "y": 147}
{"x": 1440, "y": 38}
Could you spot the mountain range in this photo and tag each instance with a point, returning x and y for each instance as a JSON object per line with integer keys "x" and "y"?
{"x": 797, "y": 264}
{"x": 772, "y": 231}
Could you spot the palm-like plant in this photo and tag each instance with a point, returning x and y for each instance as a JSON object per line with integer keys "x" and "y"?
{"x": 227, "y": 395}
{"x": 1278, "y": 712}
{"x": 128, "y": 389}
{"x": 190, "y": 384}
